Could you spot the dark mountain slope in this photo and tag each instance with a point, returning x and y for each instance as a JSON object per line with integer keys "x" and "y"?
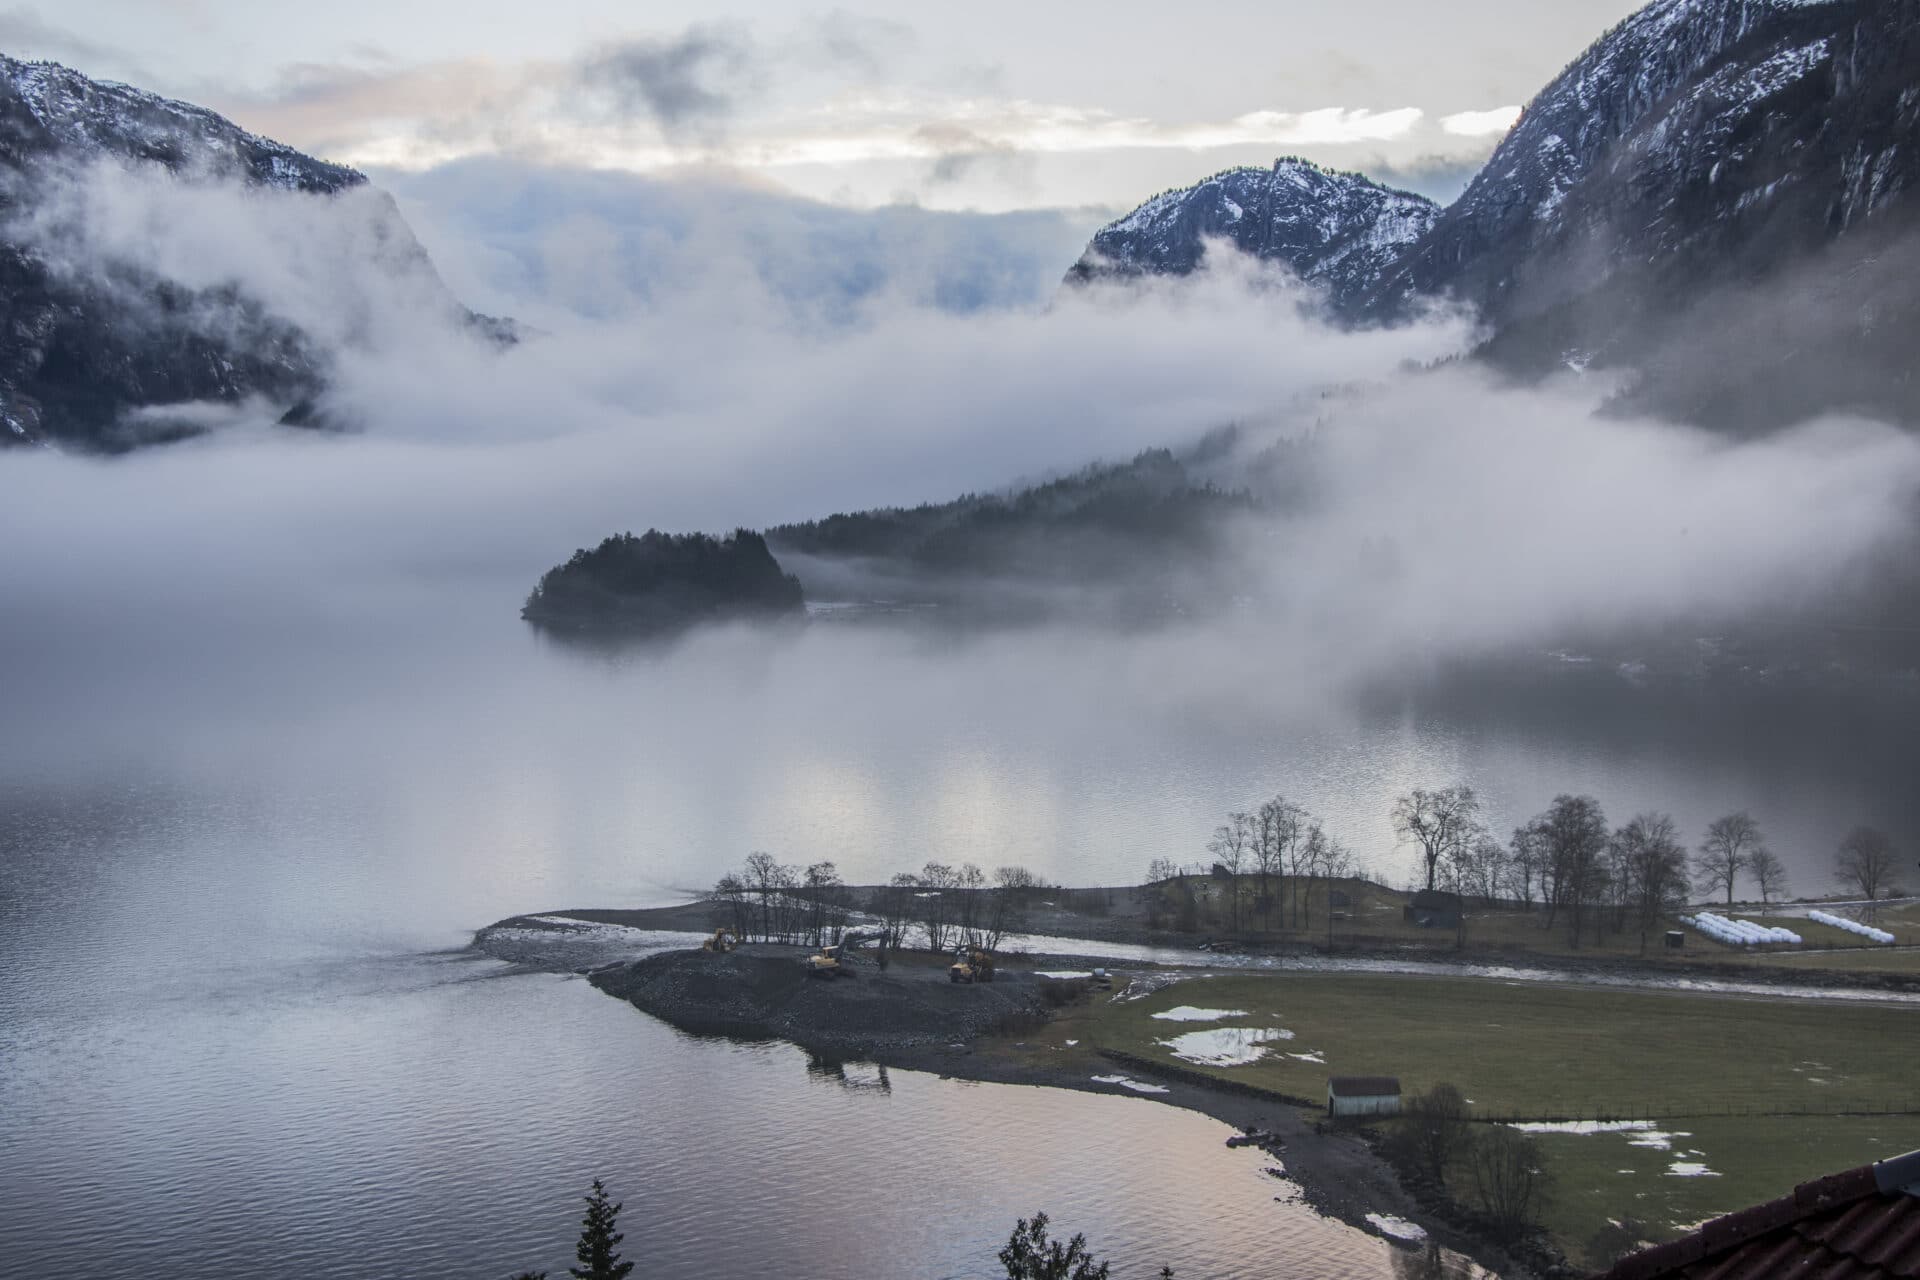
{"x": 1705, "y": 159}
{"x": 93, "y": 347}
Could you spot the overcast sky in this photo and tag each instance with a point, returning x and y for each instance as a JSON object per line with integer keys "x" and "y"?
{"x": 993, "y": 105}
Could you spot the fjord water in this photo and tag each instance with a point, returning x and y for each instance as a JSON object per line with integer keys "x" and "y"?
{"x": 239, "y": 859}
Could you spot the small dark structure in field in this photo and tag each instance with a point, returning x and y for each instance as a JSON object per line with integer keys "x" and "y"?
{"x": 1434, "y": 909}
{"x": 1676, "y": 940}
{"x": 1863, "y": 1224}
{"x": 1363, "y": 1096}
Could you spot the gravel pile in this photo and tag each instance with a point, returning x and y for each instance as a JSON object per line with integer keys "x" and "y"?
{"x": 765, "y": 991}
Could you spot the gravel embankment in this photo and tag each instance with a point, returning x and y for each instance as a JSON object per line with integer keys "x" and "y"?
{"x": 765, "y": 991}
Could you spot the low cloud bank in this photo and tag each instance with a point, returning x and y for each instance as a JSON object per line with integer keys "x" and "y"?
{"x": 1448, "y": 515}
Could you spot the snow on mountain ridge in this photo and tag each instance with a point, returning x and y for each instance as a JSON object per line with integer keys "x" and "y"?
{"x": 73, "y": 111}
{"x": 1339, "y": 231}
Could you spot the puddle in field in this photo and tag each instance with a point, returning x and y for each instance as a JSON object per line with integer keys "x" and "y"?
{"x": 1225, "y": 1046}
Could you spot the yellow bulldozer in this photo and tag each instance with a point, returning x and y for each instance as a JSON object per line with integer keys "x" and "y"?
{"x": 722, "y": 940}
{"x": 971, "y": 965}
{"x": 833, "y": 961}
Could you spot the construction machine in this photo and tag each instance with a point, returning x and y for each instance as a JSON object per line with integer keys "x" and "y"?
{"x": 971, "y": 965}
{"x": 833, "y": 961}
{"x": 722, "y": 940}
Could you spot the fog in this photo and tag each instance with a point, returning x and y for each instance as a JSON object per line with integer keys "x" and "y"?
{"x": 268, "y": 589}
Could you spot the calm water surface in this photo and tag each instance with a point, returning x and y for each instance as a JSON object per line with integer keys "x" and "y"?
{"x": 231, "y": 1043}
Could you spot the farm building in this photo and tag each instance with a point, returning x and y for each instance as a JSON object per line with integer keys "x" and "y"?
{"x": 1434, "y": 909}
{"x": 1363, "y": 1096}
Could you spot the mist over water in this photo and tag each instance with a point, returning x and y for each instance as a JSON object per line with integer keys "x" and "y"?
{"x": 274, "y": 734}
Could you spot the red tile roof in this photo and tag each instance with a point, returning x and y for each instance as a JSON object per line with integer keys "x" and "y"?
{"x": 1863, "y": 1224}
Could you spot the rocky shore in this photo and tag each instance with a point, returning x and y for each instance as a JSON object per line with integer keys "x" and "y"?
{"x": 763, "y": 991}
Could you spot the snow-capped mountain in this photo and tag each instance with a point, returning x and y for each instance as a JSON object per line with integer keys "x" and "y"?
{"x": 1690, "y": 129}
{"x": 1341, "y": 231}
{"x": 106, "y": 348}
{"x": 1718, "y": 195}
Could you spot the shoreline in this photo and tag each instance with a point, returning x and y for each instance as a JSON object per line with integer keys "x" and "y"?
{"x": 972, "y": 1033}
{"x": 701, "y": 915}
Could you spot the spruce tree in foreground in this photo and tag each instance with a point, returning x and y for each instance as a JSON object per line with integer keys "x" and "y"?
{"x": 1029, "y": 1255}
{"x": 598, "y": 1249}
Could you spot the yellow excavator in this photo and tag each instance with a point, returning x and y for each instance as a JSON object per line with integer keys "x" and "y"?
{"x": 722, "y": 940}
{"x": 971, "y": 965}
{"x": 832, "y": 962}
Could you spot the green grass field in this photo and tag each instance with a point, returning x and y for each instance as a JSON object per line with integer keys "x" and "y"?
{"x": 1533, "y": 1050}
{"x": 1756, "y": 1091}
{"x": 1604, "y": 1179}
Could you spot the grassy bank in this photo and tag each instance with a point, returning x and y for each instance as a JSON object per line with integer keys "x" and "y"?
{"x": 1760, "y": 1094}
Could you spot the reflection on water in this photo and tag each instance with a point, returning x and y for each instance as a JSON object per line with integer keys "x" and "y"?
{"x": 209, "y": 864}
{"x": 403, "y": 1119}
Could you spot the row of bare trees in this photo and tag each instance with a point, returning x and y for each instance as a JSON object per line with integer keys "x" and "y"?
{"x": 1567, "y": 860}
{"x": 956, "y": 906}
{"x": 949, "y": 906}
{"x": 1282, "y": 852}
{"x": 774, "y": 901}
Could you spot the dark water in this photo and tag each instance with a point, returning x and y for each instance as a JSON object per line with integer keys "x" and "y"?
{"x": 229, "y": 1046}
{"x": 414, "y": 1116}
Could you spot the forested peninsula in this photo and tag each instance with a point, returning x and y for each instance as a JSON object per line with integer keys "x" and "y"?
{"x": 661, "y": 582}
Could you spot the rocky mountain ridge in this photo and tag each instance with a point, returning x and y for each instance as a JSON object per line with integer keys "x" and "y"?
{"x": 107, "y": 353}
{"x": 1702, "y": 164}
{"x": 1338, "y": 231}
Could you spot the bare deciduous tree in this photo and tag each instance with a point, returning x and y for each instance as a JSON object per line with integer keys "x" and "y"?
{"x": 1510, "y": 1177}
{"x": 1573, "y": 834}
{"x": 1526, "y": 864}
{"x": 1013, "y": 888}
{"x": 1442, "y": 822}
{"x": 933, "y": 903}
{"x": 1435, "y": 1130}
{"x": 1726, "y": 852}
{"x": 969, "y": 887}
{"x": 896, "y": 906}
{"x": 1653, "y": 863}
{"x": 1865, "y": 861}
{"x": 826, "y": 912}
{"x": 732, "y": 892}
{"x": 1231, "y": 847}
{"x": 1769, "y": 873}
{"x": 1277, "y": 827}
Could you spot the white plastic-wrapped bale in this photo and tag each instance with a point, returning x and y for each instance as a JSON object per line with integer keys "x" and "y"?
{"x": 1857, "y": 927}
{"x": 1741, "y": 933}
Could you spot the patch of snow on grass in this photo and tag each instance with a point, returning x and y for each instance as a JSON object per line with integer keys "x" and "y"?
{"x": 1654, "y": 1140}
{"x": 1126, "y": 1083}
{"x": 1689, "y": 1169}
{"x": 1398, "y": 1228}
{"x": 1316, "y": 1056}
{"x": 1189, "y": 1013}
{"x": 1582, "y": 1126}
{"x": 1225, "y": 1046}
{"x": 1066, "y": 973}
